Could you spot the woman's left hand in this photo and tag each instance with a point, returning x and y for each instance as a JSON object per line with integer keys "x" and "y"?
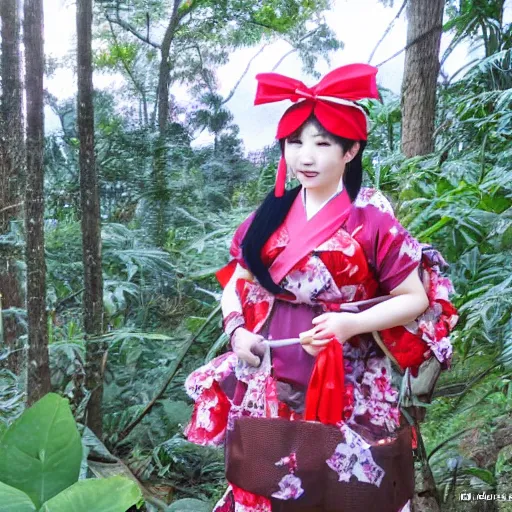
{"x": 341, "y": 326}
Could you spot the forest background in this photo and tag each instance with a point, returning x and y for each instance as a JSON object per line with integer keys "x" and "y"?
{"x": 118, "y": 334}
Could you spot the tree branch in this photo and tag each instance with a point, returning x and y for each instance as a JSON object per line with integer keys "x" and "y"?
{"x": 412, "y": 43}
{"x": 246, "y": 70}
{"x": 174, "y": 369}
{"x": 386, "y": 32}
{"x": 67, "y": 299}
{"x": 119, "y": 21}
{"x": 164, "y": 70}
{"x": 295, "y": 48}
{"x": 202, "y": 69}
{"x": 279, "y": 62}
{"x": 10, "y": 207}
{"x": 138, "y": 86}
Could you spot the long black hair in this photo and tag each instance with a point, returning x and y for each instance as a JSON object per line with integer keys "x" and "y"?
{"x": 273, "y": 210}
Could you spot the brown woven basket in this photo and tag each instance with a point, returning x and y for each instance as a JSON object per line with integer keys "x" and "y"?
{"x": 256, "y": 444}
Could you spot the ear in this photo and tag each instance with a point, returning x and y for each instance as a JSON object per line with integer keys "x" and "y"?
{"x": 352, "y": 152}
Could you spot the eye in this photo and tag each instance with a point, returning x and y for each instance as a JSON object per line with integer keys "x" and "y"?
{"x": 324, "y": 143}
{"x": 294, "y": 141}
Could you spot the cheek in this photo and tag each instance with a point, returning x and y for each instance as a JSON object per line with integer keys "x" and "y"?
{"x": 289, "y": 157}
{"x": 333, "y": 165}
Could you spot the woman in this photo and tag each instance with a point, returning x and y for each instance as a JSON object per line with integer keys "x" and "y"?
{"x": 299, "y": 263}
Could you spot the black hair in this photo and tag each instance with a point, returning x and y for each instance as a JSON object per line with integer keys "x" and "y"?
{"x": 273, "y": 210}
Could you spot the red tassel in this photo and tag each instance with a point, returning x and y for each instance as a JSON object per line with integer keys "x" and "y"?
{"x": 280, "y": 178}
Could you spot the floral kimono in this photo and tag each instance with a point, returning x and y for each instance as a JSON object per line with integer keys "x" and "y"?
{"x": 366, "y": 257}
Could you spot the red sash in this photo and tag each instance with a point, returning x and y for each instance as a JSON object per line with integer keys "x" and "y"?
{"x": 325, "y": 395}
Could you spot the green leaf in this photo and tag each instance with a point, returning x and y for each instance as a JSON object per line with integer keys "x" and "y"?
{"x": 41, "y": 452}
{"x": 12, "y": 499}
{"x": 189, "y": 505}
{"x": 504, "y": 462}
{"x": 483, "y": 474}
{"x": 115, "y": 494}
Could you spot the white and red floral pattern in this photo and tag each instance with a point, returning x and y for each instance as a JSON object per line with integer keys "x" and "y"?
{"x": 354, "y": 458}
{"x": 238, "y": 500}
{"x": 338, "y": 271}
{"x": 290, "y": 488}
{"x": 217, "y": 370}
{"x": 375, "y": 397}
{"x": 373, "y": 197}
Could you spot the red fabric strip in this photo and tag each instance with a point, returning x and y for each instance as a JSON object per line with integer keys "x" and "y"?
{"x": 326, "y": 390}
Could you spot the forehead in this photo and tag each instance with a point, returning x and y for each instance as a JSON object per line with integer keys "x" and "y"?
{"x": 311, "y": 129}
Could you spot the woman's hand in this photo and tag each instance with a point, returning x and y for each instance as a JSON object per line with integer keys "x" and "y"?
{"x": 327, "y": 326}
{"x": 341, "y": 326}
{"x": 242, "y": 341}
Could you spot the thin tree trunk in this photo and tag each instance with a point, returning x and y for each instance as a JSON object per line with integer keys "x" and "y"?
{"x": 91, "y": 226}
{"x": 425, "y": 22}
{"x": 420, "y": 76}
{"x": 12, "y": 167}
{"x": 163, "y": 75}
{"x": 38, "y": 365}
{"x": 159, "y": 181}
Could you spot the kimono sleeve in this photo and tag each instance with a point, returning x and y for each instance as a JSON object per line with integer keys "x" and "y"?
{"x": 235, "y": 251}
{"x": 396, "y": 253}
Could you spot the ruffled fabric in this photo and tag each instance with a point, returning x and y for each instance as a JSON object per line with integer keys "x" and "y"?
{"x": 214, "y": 413}
{"x": 428, "y": 335}
{"x": 369, "y": 256}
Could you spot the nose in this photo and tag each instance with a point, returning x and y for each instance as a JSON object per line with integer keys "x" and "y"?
{"x": 306, "y": 158}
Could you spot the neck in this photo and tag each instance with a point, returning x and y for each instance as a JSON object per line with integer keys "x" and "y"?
{"x": 316, "y": 196}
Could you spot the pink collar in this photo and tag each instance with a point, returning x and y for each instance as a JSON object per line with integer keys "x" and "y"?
{"x": 306, "y": 235}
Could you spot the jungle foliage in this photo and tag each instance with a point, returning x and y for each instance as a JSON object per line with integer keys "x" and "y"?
{"x": 164, "y": 234}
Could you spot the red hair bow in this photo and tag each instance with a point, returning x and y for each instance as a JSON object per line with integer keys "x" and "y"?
{"x": 331, "y": 101}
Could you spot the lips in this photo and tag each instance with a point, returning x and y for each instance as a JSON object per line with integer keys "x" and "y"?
{"x": 309, "y": 174}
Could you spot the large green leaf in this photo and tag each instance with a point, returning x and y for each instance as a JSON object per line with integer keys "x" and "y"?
{"x": 116, "y": 494}
{"x": 12, "y": 499}
{"x": 40, "y": 453}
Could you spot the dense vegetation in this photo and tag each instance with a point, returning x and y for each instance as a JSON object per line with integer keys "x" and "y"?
{"x": 169, "y": 208}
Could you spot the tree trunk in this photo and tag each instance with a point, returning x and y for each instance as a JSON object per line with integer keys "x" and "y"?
{"x": 91, "y": 225}
{"x": 425, "y": 21}
{"x": 12, "y": 167}
{"x": 38, "y": 365}
{"x": 160, "y": 197}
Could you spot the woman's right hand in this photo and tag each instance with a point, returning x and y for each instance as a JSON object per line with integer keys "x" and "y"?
{"x": 306, "y": 340}
{"x": 242, "y": 341}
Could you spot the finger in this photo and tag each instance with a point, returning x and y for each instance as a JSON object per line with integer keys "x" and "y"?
{"x": 258, "y": 349}
{"x": 307, "y": 333}
{"x": 320, "y": 318}
{"x": 324, "y": 333}
{"x": 250, "y": 358}
{"x": 313, "y": 351}
{"x": 321, "y": 343}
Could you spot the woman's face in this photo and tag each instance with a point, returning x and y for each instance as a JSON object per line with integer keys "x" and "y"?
{"x": 316, "y": 159}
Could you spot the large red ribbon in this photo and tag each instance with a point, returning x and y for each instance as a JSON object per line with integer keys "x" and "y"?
{"x": 347, "y": 83}
{"x": 326, "y": 390}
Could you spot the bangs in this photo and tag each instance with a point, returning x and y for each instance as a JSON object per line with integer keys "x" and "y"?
{"x": 312, "y": 120}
